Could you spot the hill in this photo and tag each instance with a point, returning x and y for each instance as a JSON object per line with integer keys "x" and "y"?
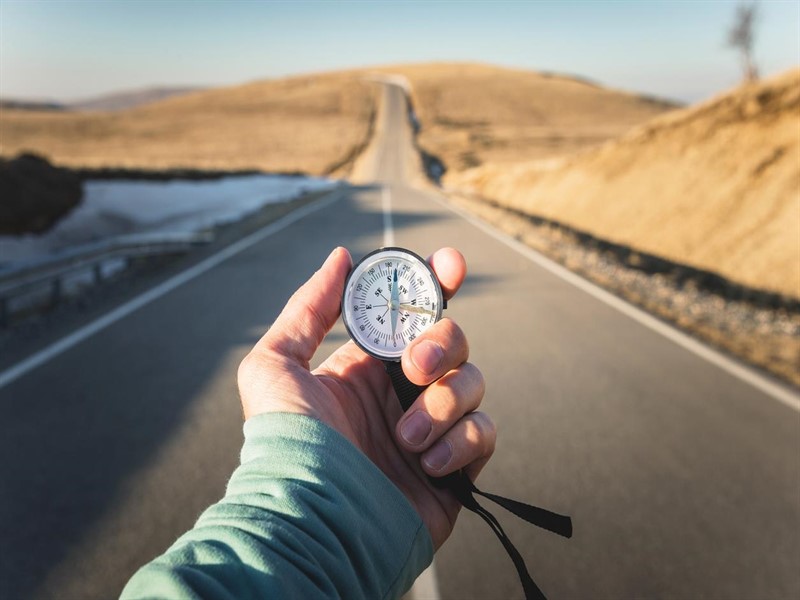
{"x": 130, "y": 98}
{"x": 715, "y": 186}
{"x": 40, "y": 105}
{"x": 473, "y": 114}
{"x": 314, "y": 124}
{"x": 114, "y": 101}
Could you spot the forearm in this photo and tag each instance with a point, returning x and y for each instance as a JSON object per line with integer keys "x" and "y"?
{"x": 306, "y": 515}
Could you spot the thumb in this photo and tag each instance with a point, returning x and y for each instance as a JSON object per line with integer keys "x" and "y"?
{"x": 310, "y": 312}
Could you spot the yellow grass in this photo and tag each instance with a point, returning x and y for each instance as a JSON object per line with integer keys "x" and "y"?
{"x": 311, "y": 124}
{"x": 473, "y": 114}
{"x": 716, "y": 186}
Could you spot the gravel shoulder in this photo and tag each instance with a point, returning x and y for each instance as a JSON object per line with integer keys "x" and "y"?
{"x": 765, "y": 336}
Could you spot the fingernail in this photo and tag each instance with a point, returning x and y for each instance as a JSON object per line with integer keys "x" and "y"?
{"x": 416, "y": 428}
{"x": 427, "y": 356}
{"x": 438, "y": 456}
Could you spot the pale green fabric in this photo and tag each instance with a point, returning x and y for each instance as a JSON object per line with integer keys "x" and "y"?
{"x": 306, "y": 515}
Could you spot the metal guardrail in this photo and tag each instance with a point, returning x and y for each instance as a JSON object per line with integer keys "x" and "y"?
{"x": 24, "y": 278}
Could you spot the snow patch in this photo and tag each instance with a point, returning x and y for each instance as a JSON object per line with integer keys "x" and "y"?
{"x": 117, "y": 207}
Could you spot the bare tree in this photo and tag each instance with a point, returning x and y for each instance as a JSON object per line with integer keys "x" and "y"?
{"x": 741, "y": 37}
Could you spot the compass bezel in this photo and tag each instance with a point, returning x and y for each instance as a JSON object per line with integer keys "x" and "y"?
{"x": 356, "y": 273}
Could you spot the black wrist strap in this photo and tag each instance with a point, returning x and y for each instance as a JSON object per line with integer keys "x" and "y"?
{"x": 406, "y": 391}
{"x": 464, "y": 490}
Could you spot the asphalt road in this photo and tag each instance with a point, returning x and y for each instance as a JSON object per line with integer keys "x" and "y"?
{"x": 682, "y": 479}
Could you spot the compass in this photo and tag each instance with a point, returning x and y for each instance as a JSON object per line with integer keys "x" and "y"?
{"x": 390, "y": 297}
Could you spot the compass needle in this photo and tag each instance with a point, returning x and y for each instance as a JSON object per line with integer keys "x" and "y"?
{"x": 394, "y": 304}
{"x": 417, "y": 309}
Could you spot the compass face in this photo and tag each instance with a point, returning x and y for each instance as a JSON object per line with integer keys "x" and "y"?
{"x": 390, "y": 297}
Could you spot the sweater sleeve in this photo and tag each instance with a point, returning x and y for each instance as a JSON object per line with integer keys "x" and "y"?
{"x": 305, "y": 515}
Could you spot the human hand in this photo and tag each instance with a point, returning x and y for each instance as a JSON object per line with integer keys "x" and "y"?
{"x": 441, "y": 433}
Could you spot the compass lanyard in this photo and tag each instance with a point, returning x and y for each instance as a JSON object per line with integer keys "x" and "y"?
{"x": 463, "y": 488}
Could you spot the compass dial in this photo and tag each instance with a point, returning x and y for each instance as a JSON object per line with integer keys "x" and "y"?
{"x": 390, "y": 297}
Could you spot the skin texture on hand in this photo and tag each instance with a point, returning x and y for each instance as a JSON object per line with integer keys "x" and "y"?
{"x": 351, "y": 392}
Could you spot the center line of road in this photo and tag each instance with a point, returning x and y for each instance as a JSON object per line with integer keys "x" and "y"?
{"x": 388, "y": 229}
{"x": 64, "y": 344}
{"x": 426, "y": 586}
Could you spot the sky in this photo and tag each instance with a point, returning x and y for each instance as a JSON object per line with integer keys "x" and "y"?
{"x": 64, "y": 50}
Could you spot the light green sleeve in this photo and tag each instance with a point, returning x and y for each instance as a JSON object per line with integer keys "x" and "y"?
{"x": 306, "y": 515}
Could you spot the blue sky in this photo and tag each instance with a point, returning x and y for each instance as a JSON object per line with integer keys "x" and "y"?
{"x": 64, "y": 50}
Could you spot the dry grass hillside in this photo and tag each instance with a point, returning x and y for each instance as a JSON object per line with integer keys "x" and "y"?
{"x": 313, "y": 124}
{"x": 473, "y": 114}
{"x": 715, "y": 186}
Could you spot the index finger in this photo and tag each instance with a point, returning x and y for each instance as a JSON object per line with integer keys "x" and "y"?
{"x": 450, "y": 268}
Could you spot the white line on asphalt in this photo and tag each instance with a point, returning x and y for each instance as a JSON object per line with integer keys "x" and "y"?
{"x": 775, "y": 390}
{"x": 426, "y": 586}
{"x": 388, "y": 230}
{"x": 44, "y": 355}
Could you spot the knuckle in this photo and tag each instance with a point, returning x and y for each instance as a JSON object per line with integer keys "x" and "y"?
{"x": 246, "y": 368}
{"x": 314, "y": 319}
{"x": 467, "y": 386}
{"x": 253, "y": 366}
{"x": 455, "y": 394}
{"x": 451, "y": 337}
{"x": 445, "y": 328}
{"x": 487, "y": 432}
{"x": 454, "y": 330}
{"x": 475, "y": 379}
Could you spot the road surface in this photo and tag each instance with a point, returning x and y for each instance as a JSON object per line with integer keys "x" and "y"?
{"x": 683, "y": 480}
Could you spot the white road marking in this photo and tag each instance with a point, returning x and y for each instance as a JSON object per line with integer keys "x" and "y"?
{"x": 388, "y": 229}
{"x": 426, "y": 587}
{"x": 85, "y": 332}
{"x": 777, "y": 391}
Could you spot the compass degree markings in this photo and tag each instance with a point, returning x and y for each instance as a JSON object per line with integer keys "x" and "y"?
{"x": 403, "y": 290}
